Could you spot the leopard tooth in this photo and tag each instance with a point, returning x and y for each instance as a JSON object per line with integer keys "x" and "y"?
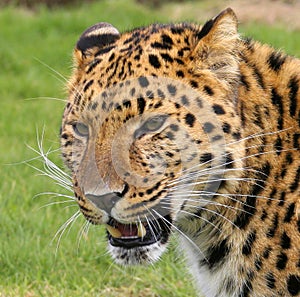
{"x": 141, "y": 230}
{"x": 114, "y": 232}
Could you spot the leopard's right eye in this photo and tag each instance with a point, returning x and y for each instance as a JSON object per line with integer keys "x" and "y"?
{"x": 81, "y": 129}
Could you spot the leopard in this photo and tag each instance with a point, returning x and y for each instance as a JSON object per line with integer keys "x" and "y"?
{"x": 192, "y": 131}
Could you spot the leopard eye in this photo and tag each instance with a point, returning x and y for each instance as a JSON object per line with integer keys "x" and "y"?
{"x": 81, "y": 129}
{"x": 151, "y": 125}
{"x": 154, "y": 123}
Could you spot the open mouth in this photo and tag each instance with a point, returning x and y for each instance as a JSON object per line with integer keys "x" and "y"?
{"x": 138, "y": 234}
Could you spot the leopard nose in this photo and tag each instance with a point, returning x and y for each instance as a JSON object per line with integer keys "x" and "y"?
{"x": 105, "y": 202}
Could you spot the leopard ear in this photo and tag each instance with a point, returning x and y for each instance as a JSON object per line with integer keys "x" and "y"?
{"x": 216, "y": 49}
{"x": 93, "y": 40}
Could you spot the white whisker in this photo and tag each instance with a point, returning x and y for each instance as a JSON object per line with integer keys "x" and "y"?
{"x": 68, "y": 224}
{"x": 180, "y": 232}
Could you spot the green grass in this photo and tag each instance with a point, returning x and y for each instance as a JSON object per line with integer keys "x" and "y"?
{"x": 29, "y": 264}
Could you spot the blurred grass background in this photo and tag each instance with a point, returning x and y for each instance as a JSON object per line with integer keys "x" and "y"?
{"x": 36, "y": 58}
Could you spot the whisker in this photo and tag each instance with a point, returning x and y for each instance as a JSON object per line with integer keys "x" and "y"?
{"x": 83, "y": 233}
{"x": 46, "y": 98}
{"x": 196, "y": 183}
{"x": 59, "y": 75}
{"x": 182, "y": 233}
{"x": 56, "y": 203}
{"x": 194, "y": 214}
{"x": 68, "y": 224}
{"x": 257, "y": 135}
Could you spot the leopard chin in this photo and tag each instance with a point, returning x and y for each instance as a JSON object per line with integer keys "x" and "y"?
{"x": 138, "y": 243}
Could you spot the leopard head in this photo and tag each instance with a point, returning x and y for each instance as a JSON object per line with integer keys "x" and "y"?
{"x": 143, "y": 130}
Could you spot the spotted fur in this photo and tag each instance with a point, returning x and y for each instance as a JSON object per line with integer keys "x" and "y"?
{"x": 239, "y": 228}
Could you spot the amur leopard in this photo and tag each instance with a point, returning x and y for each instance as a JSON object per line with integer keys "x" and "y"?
{"x": 193, "y": 130}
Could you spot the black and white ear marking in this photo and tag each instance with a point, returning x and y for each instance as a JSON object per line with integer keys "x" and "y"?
{"x": 99, "y": 35}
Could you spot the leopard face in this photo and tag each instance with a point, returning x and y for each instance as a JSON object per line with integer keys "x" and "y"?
{"x": 166, "y": 130}
{"x": 133, "y": 143}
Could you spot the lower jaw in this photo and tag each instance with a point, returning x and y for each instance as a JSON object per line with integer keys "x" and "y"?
{"x": 142, "y": 255}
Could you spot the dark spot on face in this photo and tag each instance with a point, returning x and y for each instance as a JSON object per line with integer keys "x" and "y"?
{"x": 143, "y": 81}
{"x": 206, "y": 158}
{"x": 208, "y": 90}
{"x": 199, "y": 102}
{"x": 185, "y": 100}
{"x": 127, "y": 104}
{"x": 229, "y": 161}
{"x": 169, "y": 154}
{"x": 141, "y": 104}
{"x": 216, "y": 138}
{"x": 194, "y": 84}
{"x": 180, "y": 74}
{"x": 149, "y": 94}
{"x": 190, "y": 119}
{"x": 172, "y": 89}
{"x": 226, "y": 128}
{"x": 170, "y": 135}
{"x": 208, "y": 127}
{"x": 93, "y": 65}
{"x": 218, "y": 109}
{"x": 174, "y": 127}
{"x": 94, "y": 106}
{"x": 236, "y": 135}
{"x": 167, "y": 57}
{"x": 158, "y": 104}
{"x": 154, "y": 61}
{"x": 88, "y": 84}
{"x": 161, "y": 94}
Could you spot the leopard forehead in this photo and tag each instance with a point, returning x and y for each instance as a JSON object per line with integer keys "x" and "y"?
{"x": 158, "y": 50}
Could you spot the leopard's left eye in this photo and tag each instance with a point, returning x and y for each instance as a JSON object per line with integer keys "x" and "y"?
{"x": 154, "y": 123}
{"x": 151, "y": 125}
{"x": 81, "y": 129}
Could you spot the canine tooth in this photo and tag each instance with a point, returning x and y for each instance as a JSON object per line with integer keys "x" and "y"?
{"x": 114, "y": 232}
{"x": 141, "y": 230}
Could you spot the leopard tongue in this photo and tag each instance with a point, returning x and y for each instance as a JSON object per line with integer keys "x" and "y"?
{"x": 127, "y": 231}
